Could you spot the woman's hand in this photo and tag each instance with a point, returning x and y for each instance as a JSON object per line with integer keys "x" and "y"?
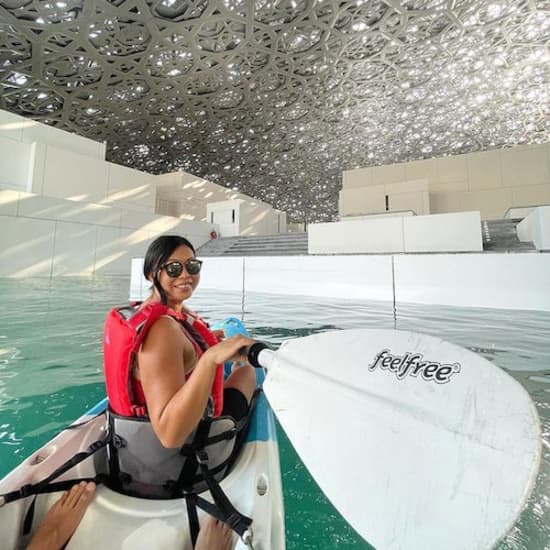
{"x": 228, "y": 350}
{"x": 219, "y": 334}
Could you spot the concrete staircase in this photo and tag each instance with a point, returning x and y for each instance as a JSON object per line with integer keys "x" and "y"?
{"x": 286, "y": 244}
{"x": 498, "y": 236}
{"x": 501, "y": 236}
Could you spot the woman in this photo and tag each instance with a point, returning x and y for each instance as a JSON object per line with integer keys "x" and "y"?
{"x": 163, "y": 368}
{"x": 175, "y": 400}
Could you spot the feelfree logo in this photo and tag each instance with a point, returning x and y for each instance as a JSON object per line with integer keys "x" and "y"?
{"x": 413, "y": 364}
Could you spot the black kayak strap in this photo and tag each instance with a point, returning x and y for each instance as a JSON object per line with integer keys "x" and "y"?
{"x": 39, "y": 489}
{"x": 45, "y": 485}
{"x": 76, "y": 459}
{"x": 29, "y": 516}
{"x": 222, "y": 509}
{"x": 228, "y": 513}
{"x": 192, "y": 517}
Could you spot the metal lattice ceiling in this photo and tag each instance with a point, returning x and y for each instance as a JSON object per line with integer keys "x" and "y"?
{"x": 276, "y": 97}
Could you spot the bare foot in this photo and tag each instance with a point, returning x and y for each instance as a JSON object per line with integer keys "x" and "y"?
{"x": 214, "y": 535}
{"x": 63, "y": 518}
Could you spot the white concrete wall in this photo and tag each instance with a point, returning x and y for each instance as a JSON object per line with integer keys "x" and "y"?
{"x": 239, "y": 217}
{"x": 43, "y": 160}
{"x": 509, "y": 281}
{"x": 525, "y": 230}
{"x": 46, "y": 161}
{"x": 371, "y": 199}
{"x": 48, "y": 237}
{"x": 259, "y": 218}
{"x": 295, "y": 228}
{"x": 535, "y": 228}
{"x": 180, "y": 194}
{"x": 361, "y": 277}
{"x": 503, "y": 281}
{"x": 187, "y": 196}
{"x": 73, "y": 176}
{"x": 519, "y": 212}
{"x": 67, "y": 175}
{"x": 226, "y": 215}
{"x": 489, "y": 181}
{"x": 15, "y": 163}
{"x": 458, "y": 232}
{"x": 190, "y": 194}
{"x": 366, "y": 278}
{"x": 130, "y": 188}
{"x": 217, "y": 273}
{"x": 24, "y": 130}
{"x": 374, "y": 235}
{"x": 379, "y": 215}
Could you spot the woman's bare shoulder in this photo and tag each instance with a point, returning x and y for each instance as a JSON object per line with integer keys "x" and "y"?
{"x": 165, "y": 329}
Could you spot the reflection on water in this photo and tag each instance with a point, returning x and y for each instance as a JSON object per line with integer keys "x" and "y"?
{"x": 50, "y": 362}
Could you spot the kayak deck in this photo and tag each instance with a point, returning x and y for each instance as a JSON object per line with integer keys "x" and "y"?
{"x": 113, "y": 520}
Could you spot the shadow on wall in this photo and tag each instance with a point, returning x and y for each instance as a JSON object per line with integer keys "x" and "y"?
{"x": 48, "y": 237}
{"x": 140, "y": 192}
{"x": 251, "y": 228}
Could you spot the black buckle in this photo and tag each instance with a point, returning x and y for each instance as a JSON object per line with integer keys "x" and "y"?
{"x": 202, "y": 456}
{"x": 118, "y": 442}
{"x": 97, "y": 445}
{"x": 27, "y": 490}
{"x": 124, "y": 478}
{"x": 169, "y": 485}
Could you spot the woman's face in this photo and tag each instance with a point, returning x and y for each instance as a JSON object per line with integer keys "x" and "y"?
{"x": 179, "y": 288}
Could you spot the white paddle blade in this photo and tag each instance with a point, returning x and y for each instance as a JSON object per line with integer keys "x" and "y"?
{"x": 419, "y": 444}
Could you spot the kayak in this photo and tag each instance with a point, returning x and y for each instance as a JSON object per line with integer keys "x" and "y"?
{"x": 114, "y": 520}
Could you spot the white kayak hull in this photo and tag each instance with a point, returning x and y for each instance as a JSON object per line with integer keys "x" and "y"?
{"x": 117, "y": 521}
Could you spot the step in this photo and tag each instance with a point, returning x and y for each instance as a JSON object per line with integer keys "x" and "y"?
{"x": 501, "y": 236}
{"x": 257, "y": 245}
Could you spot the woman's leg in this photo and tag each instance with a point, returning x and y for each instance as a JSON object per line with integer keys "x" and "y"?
{"x": 242, "y": 379}
{"x": 63, "y": 518}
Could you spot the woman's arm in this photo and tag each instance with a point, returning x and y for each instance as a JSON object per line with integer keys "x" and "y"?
{"x": 176, "y": 406}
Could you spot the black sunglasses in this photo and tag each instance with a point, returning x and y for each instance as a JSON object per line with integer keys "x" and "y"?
{"x": 174, "y": 269}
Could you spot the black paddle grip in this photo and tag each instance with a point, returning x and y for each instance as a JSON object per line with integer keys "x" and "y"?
{"x": 253, "y": 353}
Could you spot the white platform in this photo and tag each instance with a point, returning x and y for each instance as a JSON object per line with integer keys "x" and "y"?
{"x": 378, "y": 215}
{"x": 356, "y": 236}
{"x": 518, "y": 212}
{"x": 535, "y": 228}
{"x": 455, "y": 232}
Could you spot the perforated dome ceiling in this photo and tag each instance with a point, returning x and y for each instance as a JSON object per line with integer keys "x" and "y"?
{"x": 276, "y": 97}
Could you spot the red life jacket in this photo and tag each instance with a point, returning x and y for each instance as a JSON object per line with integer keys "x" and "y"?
{"x": 123, "y": 338}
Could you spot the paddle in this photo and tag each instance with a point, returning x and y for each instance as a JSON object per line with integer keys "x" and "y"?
{"x": 419, "y": 444}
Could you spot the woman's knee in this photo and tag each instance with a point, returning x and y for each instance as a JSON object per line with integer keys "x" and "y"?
{"x": 243, "y": 379}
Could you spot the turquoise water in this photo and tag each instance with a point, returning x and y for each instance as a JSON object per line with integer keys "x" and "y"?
{"x": 50, "y": 372}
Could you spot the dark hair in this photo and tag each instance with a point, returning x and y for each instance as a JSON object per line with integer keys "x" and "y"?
{"x": 157, "y": 254}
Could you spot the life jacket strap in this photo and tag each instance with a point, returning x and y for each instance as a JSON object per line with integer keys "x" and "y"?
{"x": 139, "y": 410}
